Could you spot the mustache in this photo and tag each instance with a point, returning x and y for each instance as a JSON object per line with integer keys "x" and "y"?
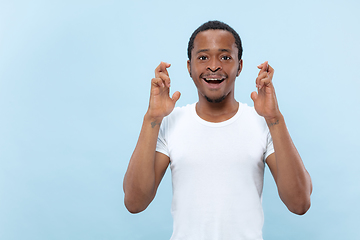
{"x": 210, "y": 75}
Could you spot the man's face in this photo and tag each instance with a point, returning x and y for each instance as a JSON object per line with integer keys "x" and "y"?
{"x": 214, "y": 64}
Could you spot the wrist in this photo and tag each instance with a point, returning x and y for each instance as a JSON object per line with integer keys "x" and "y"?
{"x": 275, "y": 120}
{"x": 152, "y": 120}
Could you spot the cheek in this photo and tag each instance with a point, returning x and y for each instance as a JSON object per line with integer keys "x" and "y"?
{"x": 236, "y": 69}
{"x": 198, "y": 69}
{"x": 193, "y": 71}
{"x": 232, "y": 71}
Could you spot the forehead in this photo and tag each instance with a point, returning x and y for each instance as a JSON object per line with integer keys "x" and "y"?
{"x": 214, "y": 39}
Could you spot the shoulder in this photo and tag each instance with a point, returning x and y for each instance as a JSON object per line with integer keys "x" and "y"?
{"x": 177, "y": 119}
{"x": 180, "y": 112}
{"x": 249, "y": 111}
{"x": 250, "y": 115}
{"x": 178, "y": 115}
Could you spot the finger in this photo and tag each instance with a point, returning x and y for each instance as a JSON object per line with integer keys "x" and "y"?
{"x": 263, "y": 67}
{"x": 165, "y": 79}
{"x": 176, "y": 96}
{"x": 162, "y": 68}
{"x": 270, "y": 71}
{"x": 157, "y": 82}
{"x": 268, "y": 79}
{"x": 260, "y": 77}
{"x": 265, "y": 82}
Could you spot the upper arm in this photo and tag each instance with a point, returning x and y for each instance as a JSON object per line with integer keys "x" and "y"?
{"x": 161, "y": 163}
{"x": 271, "y": 162}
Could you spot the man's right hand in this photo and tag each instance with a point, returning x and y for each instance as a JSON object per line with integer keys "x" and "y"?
{"x": 161, "y": 104}
{"x": 147, "y": 167}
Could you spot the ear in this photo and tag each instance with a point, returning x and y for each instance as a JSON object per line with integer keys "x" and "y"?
{"x": 189, "y": 67}
{"x": 240, "y": 67}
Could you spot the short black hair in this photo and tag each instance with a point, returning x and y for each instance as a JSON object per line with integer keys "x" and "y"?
{"x": 215, "y": 25}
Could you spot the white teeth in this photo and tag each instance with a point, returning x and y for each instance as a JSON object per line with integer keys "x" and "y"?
{"x": 212, "y": 79}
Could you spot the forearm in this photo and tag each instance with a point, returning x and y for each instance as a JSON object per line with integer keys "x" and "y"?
{"x": 292, "y": 179}
{"x": 139, "y": 181}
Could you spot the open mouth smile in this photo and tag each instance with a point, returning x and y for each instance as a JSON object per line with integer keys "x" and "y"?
{"x": 213, "y": 80}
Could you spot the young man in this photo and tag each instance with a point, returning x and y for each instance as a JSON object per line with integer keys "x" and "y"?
{"x": 217, "y": 148}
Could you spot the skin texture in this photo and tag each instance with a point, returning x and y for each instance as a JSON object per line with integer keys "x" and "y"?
{"x": 292, "y": 180}
{"x": 147, "y": 167}
{"x": 215, "y": 57}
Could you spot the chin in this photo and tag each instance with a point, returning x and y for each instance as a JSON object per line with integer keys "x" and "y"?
{"x": 215, "y": 100}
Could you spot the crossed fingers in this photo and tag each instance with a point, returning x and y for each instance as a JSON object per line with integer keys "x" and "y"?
{"x": 265, "y": 75}
{"x": 162, "y": 78}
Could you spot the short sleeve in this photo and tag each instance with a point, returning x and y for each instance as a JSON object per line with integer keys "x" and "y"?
{"x": 269, "y": 147}
{"x": 161, "y": 145}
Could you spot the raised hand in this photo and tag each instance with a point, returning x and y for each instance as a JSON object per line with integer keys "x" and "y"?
{"x": 147, "y": 167}
{"x": 161, "y": 104}
{"x": 265, "y": 102}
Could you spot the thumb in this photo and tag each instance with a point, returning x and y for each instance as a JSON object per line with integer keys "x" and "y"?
{"x": 176, "y": 96}
{"x": 254, "y": 96}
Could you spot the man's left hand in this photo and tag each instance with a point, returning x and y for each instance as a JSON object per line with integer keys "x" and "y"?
{"x": 265, "y": 102}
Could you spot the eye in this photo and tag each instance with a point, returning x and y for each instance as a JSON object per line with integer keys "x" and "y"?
{"x": 225, "y": 58}
{"x": 202, "y": 57}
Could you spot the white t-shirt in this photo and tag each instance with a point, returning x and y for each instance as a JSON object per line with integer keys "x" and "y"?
{"x": 217, "y": 173}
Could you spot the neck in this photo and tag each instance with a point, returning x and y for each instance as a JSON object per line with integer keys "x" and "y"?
{"x": 217, "y": 112}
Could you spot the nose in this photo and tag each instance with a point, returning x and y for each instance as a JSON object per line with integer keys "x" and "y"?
{"x": 214, "y": 65}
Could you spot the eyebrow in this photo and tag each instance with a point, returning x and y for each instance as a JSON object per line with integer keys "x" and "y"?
{"x": 224, "y": 50}
{"x": 202, "y": 50}
{"x": 206, "y": 50}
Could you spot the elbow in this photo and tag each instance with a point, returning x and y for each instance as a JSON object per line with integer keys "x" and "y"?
{"x": 298, "y": 200}
{"x": 301, "y": 206}
{"x": 134, "y": 201}
{"x": 133, "y": 207}
{"x": 136, "y": 204}
{"x": 133, "y": 210}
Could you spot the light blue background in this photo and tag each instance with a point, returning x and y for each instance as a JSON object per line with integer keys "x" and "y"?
{"x": 74, "y": 86}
